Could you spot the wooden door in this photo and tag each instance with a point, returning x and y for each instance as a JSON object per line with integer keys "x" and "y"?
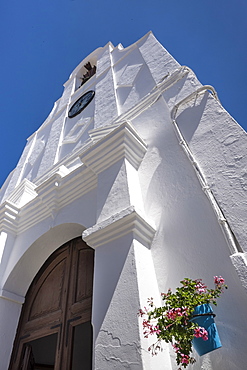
{"x": 55, "y": 323}
{"x": 28, "y": 360}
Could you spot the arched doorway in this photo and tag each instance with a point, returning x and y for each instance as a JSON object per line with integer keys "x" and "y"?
{"x": 55, "y": 329}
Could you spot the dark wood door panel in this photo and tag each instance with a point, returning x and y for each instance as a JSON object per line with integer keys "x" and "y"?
{"x": 81, "y": 288}
{"x": 44, "y": 322}
{"x": 49, "y": 295}
{"x": 58, "y": 300}
{"x": 84, "y": 281}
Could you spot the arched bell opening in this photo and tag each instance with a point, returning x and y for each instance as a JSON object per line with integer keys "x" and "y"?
{"x": 55, "y": 330}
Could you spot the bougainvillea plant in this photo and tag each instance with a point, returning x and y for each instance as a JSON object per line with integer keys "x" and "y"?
{"x": 171, "y": 322}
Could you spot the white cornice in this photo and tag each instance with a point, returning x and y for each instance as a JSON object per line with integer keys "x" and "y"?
{"x": 99, "y": 133}
{"x": 9, "y": 215}
{"x": 23, "y": 193}
{"x": 34, "y": 203}
{"x": 123, "y": 223}
{"x": 121, "y": 142}
{"x": 54, "y": 194}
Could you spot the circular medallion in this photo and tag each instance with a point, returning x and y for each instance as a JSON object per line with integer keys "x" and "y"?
{"x": 81, "y": 103}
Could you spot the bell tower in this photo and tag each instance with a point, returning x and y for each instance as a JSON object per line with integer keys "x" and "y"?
{"x": 139, "y": 163}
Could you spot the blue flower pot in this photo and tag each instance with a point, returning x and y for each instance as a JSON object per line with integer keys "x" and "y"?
{"x": 203, "y": 315}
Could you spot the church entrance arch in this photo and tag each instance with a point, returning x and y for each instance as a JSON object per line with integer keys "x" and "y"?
{"x": 54, "y": 330}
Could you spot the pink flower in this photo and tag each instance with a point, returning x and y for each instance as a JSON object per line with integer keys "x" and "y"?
{"x": 173, "y": 313}
{"x": 146, "y": 323}
{"x": 185, "y": 359}
{"x": 218, "y": 280}
{"x": 185, "y": 282}
{"x": 200, "y": 287}
{"x": 201, "y": 333}
{"x": 141, "y": 312}
{"x": 176, "y": 348}
{"x": 157, "y": 330}
{"x": 150, "y": 329}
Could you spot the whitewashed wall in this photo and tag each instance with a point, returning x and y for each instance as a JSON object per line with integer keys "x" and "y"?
{"x": 118, "y": 175}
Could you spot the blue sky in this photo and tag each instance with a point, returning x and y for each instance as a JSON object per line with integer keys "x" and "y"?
{"x": 42, "y": 41}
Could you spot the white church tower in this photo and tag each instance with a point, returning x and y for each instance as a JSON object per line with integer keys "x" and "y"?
{"x": 136, "y": 180}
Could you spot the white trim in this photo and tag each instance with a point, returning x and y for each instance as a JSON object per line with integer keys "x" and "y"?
{"x": 122, "y": 142}
{"x": 117, "y": 226}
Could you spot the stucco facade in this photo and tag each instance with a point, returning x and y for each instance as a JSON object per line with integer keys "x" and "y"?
{"x": 152, "y": 174}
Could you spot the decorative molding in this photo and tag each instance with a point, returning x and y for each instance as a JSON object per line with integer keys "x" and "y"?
{"x": 121, "y": 142}
{"x": 23, "y": 193}
{"x": 55, "y": 193}
{"x": 123, "y": 223}
{"x": 76, "y": 132}
{"x": 29, "y": 204}
{"x": 99, "y": 133}
{"x": 9, "y": 216}
{"x": 59, "y": 190}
